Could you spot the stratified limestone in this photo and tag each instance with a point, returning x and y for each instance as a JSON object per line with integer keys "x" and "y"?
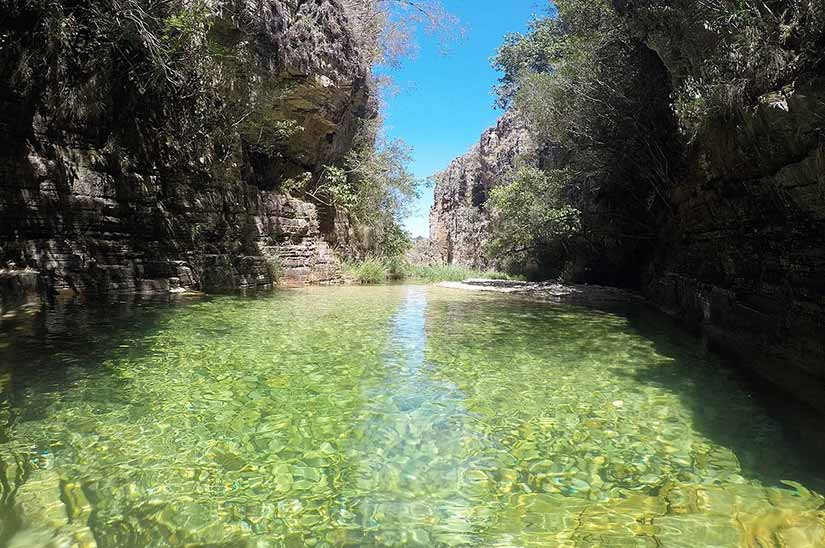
{"x": 98, "y": 218}
{"x": 742, "y": 258}
{"x": 18, "y": 288}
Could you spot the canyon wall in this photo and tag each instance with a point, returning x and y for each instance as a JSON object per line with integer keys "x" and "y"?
{"x": 740, "y": 257}
{"x": 90, "y": 202}
{"x": 459, "y": 218}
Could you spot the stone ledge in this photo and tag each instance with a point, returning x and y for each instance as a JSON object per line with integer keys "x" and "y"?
{"x": 550, "y": 292}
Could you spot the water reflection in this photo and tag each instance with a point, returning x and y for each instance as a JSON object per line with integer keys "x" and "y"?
{"x": 424, "y": 463}
{"x": 393, "y": 416}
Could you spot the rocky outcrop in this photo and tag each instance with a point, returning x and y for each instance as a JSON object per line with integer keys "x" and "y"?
{"x": 742, "y": 258}
{"x": 289, "y": 234}
{"x": 18, "y": 288}
{"x": 459, "y": 219}
{"x": 422, "y": 253}
{"x": 88, "y": 202}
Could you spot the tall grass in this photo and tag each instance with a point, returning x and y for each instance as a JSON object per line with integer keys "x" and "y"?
{"x": 374, "y": 271}
{"x": 370, "y": 271}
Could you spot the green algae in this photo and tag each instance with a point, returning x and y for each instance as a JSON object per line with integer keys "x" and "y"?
{"x": 391, "y": 416}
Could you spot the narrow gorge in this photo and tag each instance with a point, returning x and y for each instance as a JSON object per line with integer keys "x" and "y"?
{"x": 736, "y": 250}
{"x": 235, "y": 313}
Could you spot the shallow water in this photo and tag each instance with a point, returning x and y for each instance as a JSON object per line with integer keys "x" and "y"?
{"x": 392, "y": 416}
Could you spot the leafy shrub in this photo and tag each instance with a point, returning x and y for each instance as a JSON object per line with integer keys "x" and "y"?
{"x": 725, "y": 54}
{"x": 370, "y": 271}
{"x": 375, "y": 271}
{"x": 397, "y": 268}
{"x": 375, "y": 187}
{"x": 531, "y": 213}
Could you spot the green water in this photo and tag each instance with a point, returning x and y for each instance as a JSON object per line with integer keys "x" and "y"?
{"x": 393, "y": 416}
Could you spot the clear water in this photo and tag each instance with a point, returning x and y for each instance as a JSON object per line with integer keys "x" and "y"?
{"x": 393, "y": 416}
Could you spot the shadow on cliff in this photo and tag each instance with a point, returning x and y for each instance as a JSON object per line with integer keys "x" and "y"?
{"x": 773, "y": 436}
{"x": 44, "y": 351}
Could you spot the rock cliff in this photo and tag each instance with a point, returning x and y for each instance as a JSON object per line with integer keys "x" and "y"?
{"x": 459, "y": 218}
{"x": 741, "y": 256}
{"x": 92, "y": 198}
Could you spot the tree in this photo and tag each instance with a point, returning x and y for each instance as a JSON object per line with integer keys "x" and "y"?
{"x": 590, "y": 88}
{"x": 388, "y": 28}
{"x": 372, "y": 186}
{"x": 725, "y": 54}
{"x": 532, "y": 214}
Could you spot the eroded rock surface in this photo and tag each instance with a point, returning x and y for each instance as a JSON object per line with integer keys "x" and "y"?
{"x": 742, "y": 259}
{"x": 459, "y": 220}
{"x": 97, "y": 218}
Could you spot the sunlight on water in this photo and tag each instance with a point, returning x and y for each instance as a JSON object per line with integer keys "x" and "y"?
{"x": 393, "y": 416}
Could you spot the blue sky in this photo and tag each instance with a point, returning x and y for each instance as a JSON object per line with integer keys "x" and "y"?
{"x": 445, "y": 102}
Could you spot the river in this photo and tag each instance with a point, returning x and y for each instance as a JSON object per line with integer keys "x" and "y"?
{"x": 386, "y": 416}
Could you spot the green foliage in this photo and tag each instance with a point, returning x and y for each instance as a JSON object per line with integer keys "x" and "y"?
{"x": 397, "y": 268}
{"x": 727, "y": 53}
{"x": 126, "y": 68}
{"x": 342, "y": 192}
{"x": 385, "y": 185}
{"x": 375, "y": 271}
{"x": 263, "y": 130}
{"x": 531, "y": 213}
{"x": 395, "y": 241}
{"x": 188, "y": 27}
{"x": 620, "y": 90}
{"x": 375, "y": 188}
{"x": 369, "y": 271}
{"x": 297, "y": 185}
{"x": 538, "y": 51}
{"x": 599, "y": 99}
{"x": 452, "y": 273}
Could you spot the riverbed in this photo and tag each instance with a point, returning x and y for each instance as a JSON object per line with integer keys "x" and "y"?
{"x": 387, "y": 416}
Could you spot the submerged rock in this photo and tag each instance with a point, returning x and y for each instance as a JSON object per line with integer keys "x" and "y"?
{"x": 552, "y": 292}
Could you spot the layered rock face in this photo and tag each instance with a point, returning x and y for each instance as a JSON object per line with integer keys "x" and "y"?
{"x": 742, "y": 258}
{"x": 87, "y": 210}
{"x": 459, "y": 220}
